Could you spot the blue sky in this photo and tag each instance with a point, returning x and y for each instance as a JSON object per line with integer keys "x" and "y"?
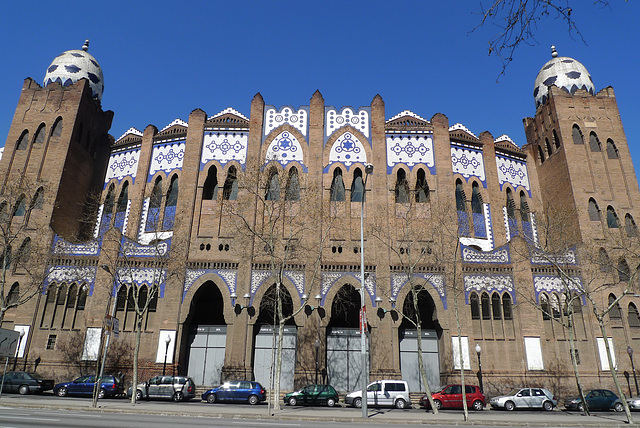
{"x": 162, "y": 60}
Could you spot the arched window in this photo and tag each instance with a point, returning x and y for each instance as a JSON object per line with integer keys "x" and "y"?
{"x": 71, "y": 296}
{"x": 24, "y": 252}
{"x": 131, "y": 300}
{"x": 545, "y": 307}
{"x": 594, "y": 143}
{"x": 38, "y": 199}
{"x": 14, "y": 294}
{"x": 540, "y": 155}
{"x": 477, "y": 209}
{"x": 337, "y": 186}
{"x": 109, "y": 201}
{"x": 594, "y": 211}
{"x": 604, "y": 261}
{"x": 577, "y": 135}
{"x": 612, "y": 218}
{"x": 292, "y": 192}
{"x": 153, "y": 303}
{"x": 612, "y": 150}
{"x": 555, "y": 306}
{"x": 507, "y": 307}
{"x": 548, "y": 145}
{"x": 556, "y": 140}
{"x": 422, "y": 188}
{"x": 273, "y": 186}
{"x": 496, "y": 306}
{"x": 121, "y": 299}
{"x": 123, "y": 200}
{"x": 632, "y": 316}
{"x": 511, "y": 205}
{"x": 170, "y": 206}
{"x": 461, "y": 199}
{"x": 82, "y": 298}
{"x": 486, "y": 306}
{"x": 20, "y": 208}
{"x": 210, "y": 188}
{"x": 402, "y": 187}
{"x": 357, "y": 186}
{"x": 630, "y": 225}
{"x": 624, "y": 273}
{"x": 475, "y": 306}
{"x": 524, "y": 207}
{"x": 142, "y": 296}
{"x": 461, "y": 207}
{"x": 39, "y": 138}
{"x": 23, "y": 141}
{"x": 230, "y": 189}
{"x": 615, "y": 313}
{"x": 56, "y": 130}
{"x": 156, "y": 194}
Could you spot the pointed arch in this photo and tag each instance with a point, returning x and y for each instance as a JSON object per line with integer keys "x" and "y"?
{"x": 273, "y": 186}
{"x": 474, "y": 302}
{"x": 172, "y": 202}
{"x": 615, "y": 313}
{"x": 40, "y": 135}
{"x": 486, "y": 306}
{"x": 612, "y": 150}
{"x": 230, "y": 188}
{"x": 210, "y": 188}
{"x": 604, "y": 261}
{"x": 156, "y": 194}
{"x": 576, "y": 133}
{"x": 511, "y": 205}
{"x": 24, "y": 252}
{"x": 21, "y": 207}
{"x": 461, "y": 208}
{"x": 507, "y": 307}
{"x": 357, "y": 186}
{"x": 109, "y": 200}
{"x": 38, "y": 199}
{"x": 14, "y": 294}
{"x": 123, "y": 200}
{"x": 337, "y": 193}
{"x": 496, "y": 306}
{"x": 477, "y": 210}
{"x": 612, "y": 218}
{"x": 422, "y": 187}
{"x": 402, "y": 187}
{"x": 632, "y": 315}
{"x": 56, "y": 129}
{"x": 292, "y": 192}
{"x": 630, "y": 225}
{"x": 594, "y": 211}
{"x": 556, "y": 140}
{"x": 624, "y": 273}
{"x": 545, "y": 307}
{"x": 23, "y": 141}
{"x": 540, "y": 155}
{"x": 548, "y": 146}
{"x": 594, "y": 142}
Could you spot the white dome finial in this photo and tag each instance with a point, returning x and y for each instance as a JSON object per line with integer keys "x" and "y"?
{"x": 554, "y": 54}
{"x": 85, "y": 47}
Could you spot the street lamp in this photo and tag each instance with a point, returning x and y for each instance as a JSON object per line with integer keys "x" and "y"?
{"x": 633, "y": 368}
{"x": 15, "y": 361}
{"x": 368, "y": 169}
{"x": 167, "y": 341}
{"x": 316, "y": 345}
{"x": 478, "y": 351}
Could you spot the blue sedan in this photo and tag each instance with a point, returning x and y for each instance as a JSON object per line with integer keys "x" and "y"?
{"x": 83, "y": 386}
{"x": 238, "y": 391}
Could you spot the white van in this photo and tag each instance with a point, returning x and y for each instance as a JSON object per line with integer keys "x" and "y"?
{"x": 393, "y": 393}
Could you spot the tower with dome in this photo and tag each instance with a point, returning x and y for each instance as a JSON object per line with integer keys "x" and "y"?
{"x": 515, "y": 247}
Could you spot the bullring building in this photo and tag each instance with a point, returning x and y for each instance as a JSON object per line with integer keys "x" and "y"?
{"x": 108, "y": 208}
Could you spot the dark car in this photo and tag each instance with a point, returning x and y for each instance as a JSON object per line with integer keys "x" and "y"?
{"x": 238, "y": 391}
{"x": 83, "y": 386}
{"x": 24, "y": 383}
{"x": 176, "y": 388}
{"x": 313, "y": 394}
{"x": 597, "y": 399}
{"x": 450, "y": 397}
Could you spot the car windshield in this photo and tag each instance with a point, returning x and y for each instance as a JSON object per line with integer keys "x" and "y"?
{"x": 514, "y": 391}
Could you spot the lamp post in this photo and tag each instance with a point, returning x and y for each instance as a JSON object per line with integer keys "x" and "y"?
{"x": 368, "y": 169}
{"x": 316, "y": 345}
{"x": 633, "y": 368}
{"x": 167, "y": 341}
{"x": 478, "y": 351}
{"x": 15, "y": 360}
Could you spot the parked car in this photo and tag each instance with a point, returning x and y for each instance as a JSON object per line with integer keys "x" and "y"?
{"x": 634, "y": 403}
{"x": 450, "y": 397}
{"x": 313, "y": 394}
{"x": 525, "y": 398}
{"x": 394, "y": 393}
{"x": 597, "y": 399}
{"x": 25, "y": 383}
{"x": 176, "y": 388}
{"x": 238, "y": 391}
{"x": 110, "y": 386}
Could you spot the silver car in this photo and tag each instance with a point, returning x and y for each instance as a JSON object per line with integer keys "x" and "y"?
{"x": 525, "y": 398}
{"x": 176, "y": 388}
{"x": 393, "y": 393}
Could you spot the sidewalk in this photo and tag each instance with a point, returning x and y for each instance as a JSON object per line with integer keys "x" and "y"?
{"x": 414, "y": 416}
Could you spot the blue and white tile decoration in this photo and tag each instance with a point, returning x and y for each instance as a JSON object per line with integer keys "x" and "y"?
{"x": 550, "y": 284}
{"x": 499, "y": 255}
{"x": 259, "y": 276}
{"x": 143, "y": 276}
{"x": 485, "y": 243}
{"x": 347, "y": 149}
{"x": 334, "y": 120}
{"x": 399, "y": 280}
{"x": 144, "y": 237}
{"x": 460, "y": 127}
{"x": 512, "y": 171}
{"x": 229, "y": 277}
{"x": 123, "y": 164}
{"x": 285, "y": 148}
{"x": 224, "y": 146}
{"x": 328, "y": 279}
{"x": 135, "y": 249}
{"x": 166, "y": 157}
{"x": 468, "y": 162}
{"x": 410, "y": 149}
{"x": 488, "y": 283}
{"x": 274, "y": 118}
{"x": 69, "y": 274}
{"x": 570, "y": 257}
{"x": 63, "y": 247}
{"x": 71, "y": 66}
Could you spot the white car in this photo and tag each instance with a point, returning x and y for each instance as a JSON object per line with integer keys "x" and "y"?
{"x": 525, "y": 398}
{"x": 392, "y": 393}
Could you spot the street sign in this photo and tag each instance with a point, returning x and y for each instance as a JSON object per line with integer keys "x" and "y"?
{"x": 8, "y": 342}
{"x": 116, "y": 327}
{"x": 112, "y": 324}
{"x": 363, "y": 319}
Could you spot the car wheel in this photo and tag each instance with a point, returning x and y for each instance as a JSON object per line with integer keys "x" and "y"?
{"x": 253, "y": 399}
{"x": 509, "y": 405}
{"x": 331, "y": 402}
{"x": 62, "y": 392}
{"x": 23, "y": 390}
{"x": 581, "y": 407}
{"x": 293, "y": 401}
{"x": 101, "y": 393}
{"x": 211, "y": 398}
{"x": 178, "y": 396}
{"x": 477, "y": 405}
{"x": 400, "y": 403}
{"x": 357, "y": 402}
{"x": 438, "y": 404}
{"x": 138, "y": 395}
{"x": 548, "y": 406}
{"x": 618, "y": 407}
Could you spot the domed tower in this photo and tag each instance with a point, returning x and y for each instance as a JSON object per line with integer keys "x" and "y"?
{"x": 59, "y": 138}
{"x": 577, "y": 143}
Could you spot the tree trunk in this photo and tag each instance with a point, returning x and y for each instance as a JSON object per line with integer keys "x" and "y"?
{"x": 574, "y": 363}
{"x": 136, "y": 353}
{"x": 613, "y": 370}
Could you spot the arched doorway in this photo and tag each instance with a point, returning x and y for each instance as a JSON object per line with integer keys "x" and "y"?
{"x": 207, "y": 335}
{"x": 266, "y": 336}
{"x": 431, "y": 331}
{"x": 344, "y": 358}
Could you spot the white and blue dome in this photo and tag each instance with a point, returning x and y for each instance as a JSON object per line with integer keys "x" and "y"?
{"x": 564, "y": 72}
{"x": 71, "y": 66}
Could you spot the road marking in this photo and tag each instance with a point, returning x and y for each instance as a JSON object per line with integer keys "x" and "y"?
{"x": 280, "y": 424}
{"x": 31, "y": 418}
